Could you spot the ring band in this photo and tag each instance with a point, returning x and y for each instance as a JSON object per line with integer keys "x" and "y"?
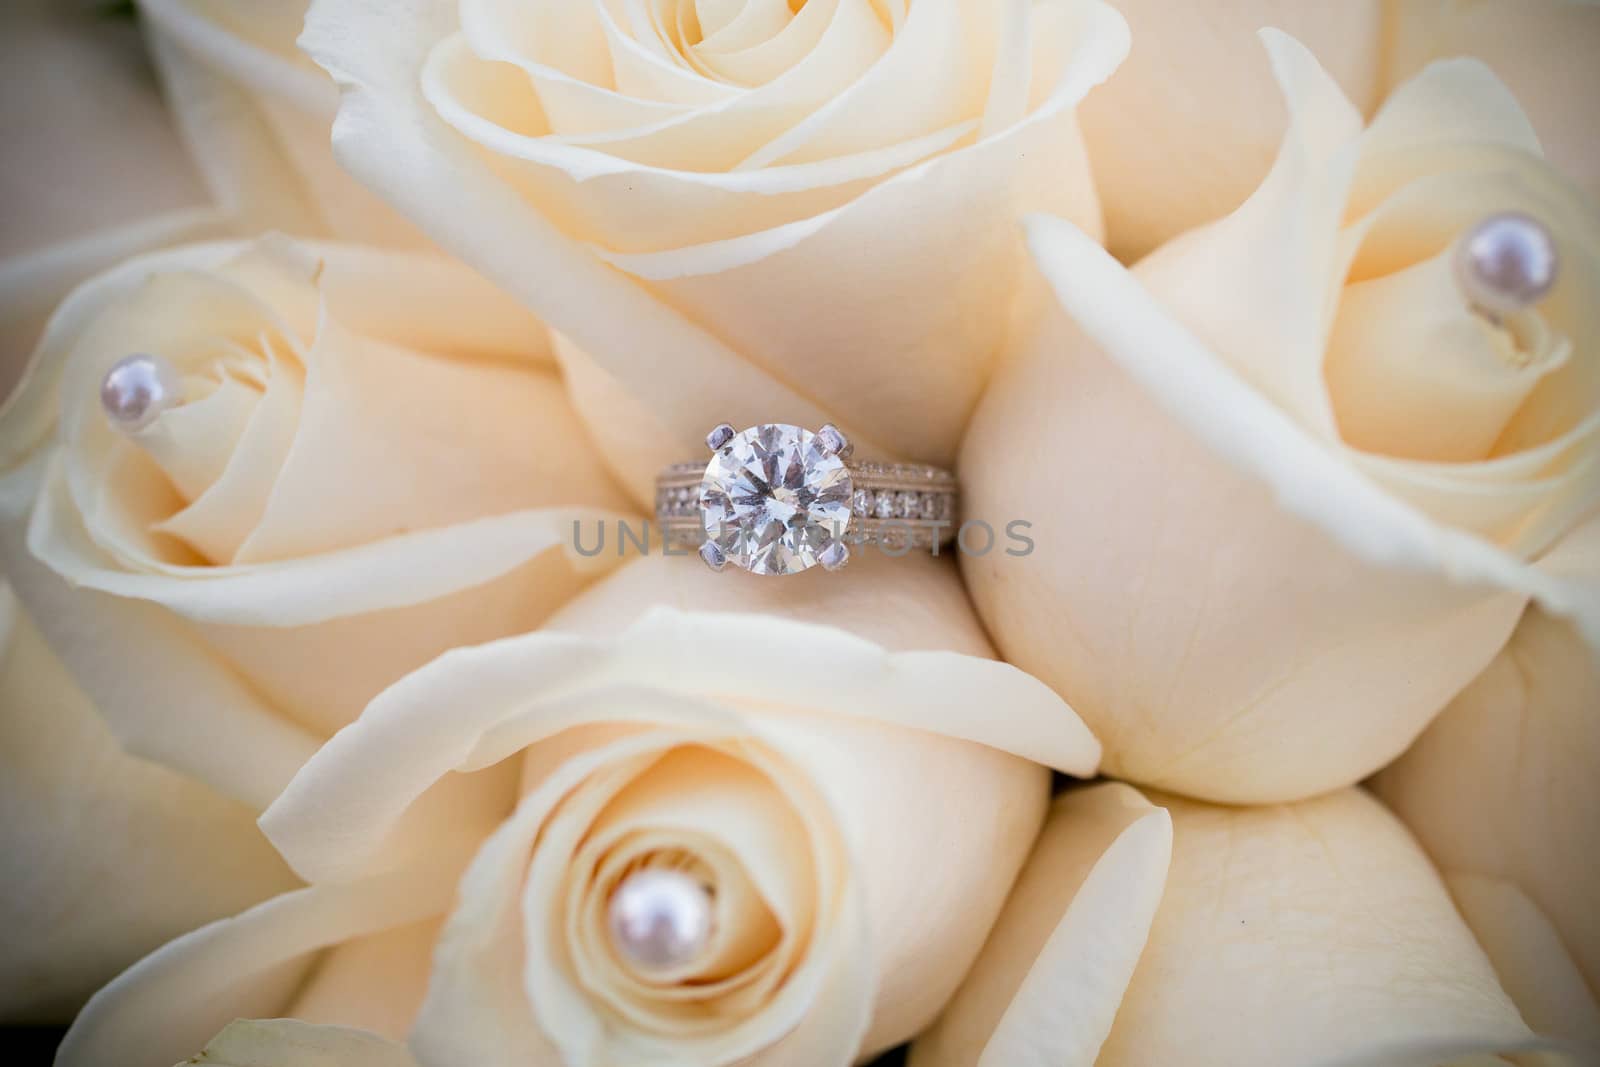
{"x": 777, "y": 499}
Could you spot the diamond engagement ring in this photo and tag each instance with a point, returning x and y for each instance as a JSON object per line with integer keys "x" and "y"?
{"x": 776, "y": 499}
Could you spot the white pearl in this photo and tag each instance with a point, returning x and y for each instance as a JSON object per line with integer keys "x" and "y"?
{"x": 1506, "y": 263}
{"x": 137, "y": 389}
{"x": 660, "y": 920}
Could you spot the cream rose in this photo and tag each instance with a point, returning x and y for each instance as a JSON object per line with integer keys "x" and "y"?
{"x": 747, "y": 211}
{"x": 1314, "y": 934}
{"x": 855, "y": 811}
{"x": 1299, "y": 489}
{"x": 1501, "y": 790}
{"x": 99, "y": 847}
{"x": 1186, "y": 129}
{"x": 367, "y": 460}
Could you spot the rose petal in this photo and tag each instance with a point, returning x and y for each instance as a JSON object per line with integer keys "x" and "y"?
{"x": 99, "y": 845}
{"x": 1444, "y": 106}
{"x": 397, "y": 572}
{"x": 291, "y": 1043}
{"x": 1279, "y": 925}
{"x": 1501, "y": 789}
{"x": 181, "y": 707}
{"x": 360, "y": 655}
{"x": 195, "y": 440}
{"x": 644, "y": 65}
{"x": 476, "y": 1008}
{"x": 713, "y": 15}
{"x": 1541, "y": 51}
{"x": 1416, "y": 374}
{"x": 229, "y": 141}
{"x": 634, "y": 439}
{"x": 381, "y": 449}
{"x": 943, "y": 36}
{"x": 220, "y": 522}
{"x": 1164, "y": 561}
{"x": 400, "y": 748}
{"x": 1190, "y": 125}
{"x": 1279, "y": 247}
{"x": 267, "y": 619}
{"x": 568, "y": 38}
{"x": 1530, "y": 959}
{"x": 255, "y": 115}
{"x": 899, "y": 348}
{"x": 913, "y": 602}
{"x": 1049, "y": 980}
{"x": 425, "y": 302}
{"x": 986, "y": 805}
{"x": 253, "y": 964}
{"x": 759, "y": 52}
{"x": 599, "y": 196}
{"x": 625, "y": 154}
{"x": 375, "y": 982}
{"x": 33, "y": 285}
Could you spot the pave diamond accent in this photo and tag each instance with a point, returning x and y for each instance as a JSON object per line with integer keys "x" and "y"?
{"x": 772, "y": 499}
{"x": 892, "y": 504}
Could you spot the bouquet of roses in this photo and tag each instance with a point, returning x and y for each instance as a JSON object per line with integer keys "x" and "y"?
{"x": 796, "y": 533}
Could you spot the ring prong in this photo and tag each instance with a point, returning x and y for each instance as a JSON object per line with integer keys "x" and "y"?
{"x": 834, "y": 556}
{"x": 719, "y": 436}
{"x": 834, "y": 442}
{"x": 714, "y": 557}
